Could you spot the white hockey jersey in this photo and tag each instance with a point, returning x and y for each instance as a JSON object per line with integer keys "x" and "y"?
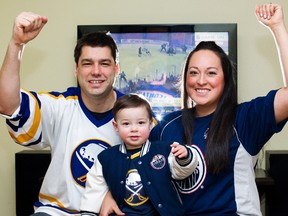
{"x": 62, "y": 122}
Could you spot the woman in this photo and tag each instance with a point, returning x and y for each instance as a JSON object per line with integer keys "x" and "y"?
{"x": 228, "y": 136}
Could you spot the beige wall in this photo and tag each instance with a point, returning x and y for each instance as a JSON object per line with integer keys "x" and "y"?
{"x": 48, "y": 61}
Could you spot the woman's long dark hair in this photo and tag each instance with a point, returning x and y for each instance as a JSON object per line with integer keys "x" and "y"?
{"x": 221, "y": 127}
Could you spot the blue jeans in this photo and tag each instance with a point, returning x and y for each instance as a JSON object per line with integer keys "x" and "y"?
{"x": 40, "y": 214}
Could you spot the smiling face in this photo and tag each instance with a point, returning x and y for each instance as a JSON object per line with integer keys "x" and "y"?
{"x": 205, "y": 81}
{"x": 133, "y": 126}
{"x": 95, "y": 72}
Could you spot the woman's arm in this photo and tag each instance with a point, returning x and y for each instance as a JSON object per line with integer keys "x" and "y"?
{"x": 271, "y": 16}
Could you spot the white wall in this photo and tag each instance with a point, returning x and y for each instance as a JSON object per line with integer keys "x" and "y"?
{"x": 48, "y": 60}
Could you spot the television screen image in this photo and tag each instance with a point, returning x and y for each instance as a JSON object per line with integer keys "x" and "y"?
{"x": 152, "y": 57}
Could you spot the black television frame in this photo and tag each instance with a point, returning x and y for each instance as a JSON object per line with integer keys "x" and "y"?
{"x": 164, "y": 105}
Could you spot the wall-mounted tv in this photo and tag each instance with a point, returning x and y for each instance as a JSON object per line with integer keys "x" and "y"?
{"x": 152, "y": 57}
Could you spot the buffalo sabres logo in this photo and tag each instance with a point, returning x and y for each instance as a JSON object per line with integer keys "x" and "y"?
{"x": 83, "y": 158}
{"x": 194, "y": 181}
{"x": 158, "y": 161}
{"x": 135, "y": 194}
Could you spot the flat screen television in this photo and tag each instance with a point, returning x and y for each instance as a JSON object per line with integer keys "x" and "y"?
{"x": 152, "y": 57}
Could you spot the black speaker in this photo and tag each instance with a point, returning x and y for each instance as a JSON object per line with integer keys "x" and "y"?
{"x": 277, "y": 167}
{"x": 31, "y": 166}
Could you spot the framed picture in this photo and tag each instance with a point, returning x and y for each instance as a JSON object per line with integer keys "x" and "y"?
{"x": 152, "y": 57}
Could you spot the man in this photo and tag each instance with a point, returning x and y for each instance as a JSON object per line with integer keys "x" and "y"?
{"x": 75, "y": 124}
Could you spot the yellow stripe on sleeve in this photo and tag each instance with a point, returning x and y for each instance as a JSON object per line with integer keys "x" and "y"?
{"x": 23, "y": 138}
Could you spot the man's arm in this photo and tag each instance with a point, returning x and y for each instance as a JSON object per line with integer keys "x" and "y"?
{"x": 109, "y": 206}
{"x": 96, "y": 197}
{"x": 96, "y": 189}
{"x": 26, "y": 27}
